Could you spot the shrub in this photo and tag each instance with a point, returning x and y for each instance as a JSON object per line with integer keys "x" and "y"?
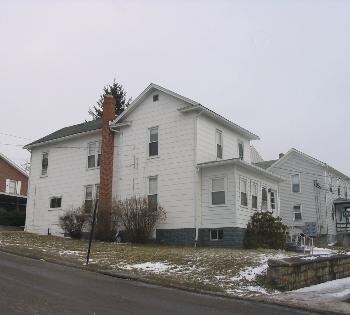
{"x": 138, "y": 217}
{"x": 265, "y": 231}
{"x": 73, "y": 221}
{"x": 12, "y": 217}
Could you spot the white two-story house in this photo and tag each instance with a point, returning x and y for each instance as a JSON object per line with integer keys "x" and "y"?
{"x": 194, "y": 162}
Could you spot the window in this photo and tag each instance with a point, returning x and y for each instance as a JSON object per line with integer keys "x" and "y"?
{"x": 12, "y": 187}
{"x": 240, "y": 150}
{"x": 218, "y": 136}
{"x": 338, "y": 190}
{"x": 153, "y": 141}
{"x": 216, "y": 235}
{"x": 296, "y": 183}
{"x": 44, "y": 163}
{"x": 346, "y": 192}
{"x": 264, "y": 199}
{"x": 218, "y": 191}
{"x": 297, "y": 212}
{"x": 153, "y": 190}
{"x": 94, "y": 154}
{"x": 55, "y": 202}
{"x": 88, "y": 198}
{"x": 254, "y": 190}
{"x": 243, "y": 189}
{"x": 273, "y": 204}
{"x": 155, "y": 97}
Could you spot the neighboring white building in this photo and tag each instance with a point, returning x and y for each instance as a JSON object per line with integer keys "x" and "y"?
{"x": 196, "y": 163}
{"x": 313, "y": 196}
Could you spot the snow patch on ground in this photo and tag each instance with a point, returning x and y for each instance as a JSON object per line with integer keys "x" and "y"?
{"x": 328, "y": 287}
{"x": 156, "y": 267}
{"x": 69, "y": 252}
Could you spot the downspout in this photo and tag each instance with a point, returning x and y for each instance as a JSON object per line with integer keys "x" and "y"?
{"x": 196, "y": 171}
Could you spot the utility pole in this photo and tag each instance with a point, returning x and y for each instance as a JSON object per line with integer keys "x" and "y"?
{"x": 92, "y": 231}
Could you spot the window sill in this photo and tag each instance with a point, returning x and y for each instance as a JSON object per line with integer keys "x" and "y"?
{"x": 93, "y": 168}
{"x": 221, "y": 205}
{"x": 55, "y": 209}
{"x": 153, "y": 157}
{"x": 43, "y": 176}
{"x": 218, "y": 240}
{"x": 242, "y": 206}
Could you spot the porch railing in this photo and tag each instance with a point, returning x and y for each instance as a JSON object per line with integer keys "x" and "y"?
{"x": 343, "y": 227}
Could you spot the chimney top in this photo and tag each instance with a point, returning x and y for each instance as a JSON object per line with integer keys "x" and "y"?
{"x": 281, "y": 155}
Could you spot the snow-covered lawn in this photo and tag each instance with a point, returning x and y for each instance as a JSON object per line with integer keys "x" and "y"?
{"x": 231, "y": 271}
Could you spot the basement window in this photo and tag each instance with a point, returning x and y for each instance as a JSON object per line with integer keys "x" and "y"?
{"x": 216, "y": 235}
{"x": 55, "y": 202}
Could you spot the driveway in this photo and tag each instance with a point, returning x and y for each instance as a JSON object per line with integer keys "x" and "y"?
{"x": 29, "y": 286}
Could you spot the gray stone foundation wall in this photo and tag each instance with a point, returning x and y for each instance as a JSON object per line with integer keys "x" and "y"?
{"x": 232, "y": 237}
{"x": 294, "y": 273}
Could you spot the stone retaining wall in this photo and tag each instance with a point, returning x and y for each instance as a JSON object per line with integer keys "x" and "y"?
{"x": 298, "y": 272}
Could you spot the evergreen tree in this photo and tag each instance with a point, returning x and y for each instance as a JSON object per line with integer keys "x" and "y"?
{"x": 119, "y": 94}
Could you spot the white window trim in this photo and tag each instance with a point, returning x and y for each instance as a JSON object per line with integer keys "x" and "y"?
{"x": 222, "y": 144}
{"x": 41, "y": 164}
{"x": 301, "y": 212}
{"x": 267, "y": 201}
{"x": 253, "y": 182}
{"x": 98, "y": 143}
{"x": 147, "y": 186}
{"x": 240, "y": 191}
{"x": 150, "y": 157}
{"x": 276, "y": 200}
{"x": 52, "y": 197}
{"x": 210, "y": 185}
{"x": 216, "y": 239}
{"x": 291, "y": 183}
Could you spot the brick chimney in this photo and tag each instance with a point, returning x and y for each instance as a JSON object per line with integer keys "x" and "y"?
{"x": 107, "y": 150}
{"x": 281, "y": 155}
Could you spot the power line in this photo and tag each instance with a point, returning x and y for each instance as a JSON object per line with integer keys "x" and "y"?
{"x": 11, "y": 135}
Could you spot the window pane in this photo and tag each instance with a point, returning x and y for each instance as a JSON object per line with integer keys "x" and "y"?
{"x": 218, "y": 184}
{"x": 219, "y": 151}
{"x": 91, "y": 161}
{"x": 153, "y": 134}
{"x": 92, "y": 148}
{"x": 218, "y": 198}
{"x": 12, "y": 187}
{"x": 213, "y": 234}
{"x": 153, "y": 185}
{"x": 218, "y": 137}
{"x": 244, "y": 200}
{"x": 220, "y": 234}
{"x": 55, "y": 202}
{"x": 254, "y": 202}
{"x": 241, "y": 150}
{"x": 243, "y": 185}
{"x": 264, "y": 194}
{"x": 44, "y": 163}
{"x": 153, "y": 148}
{"x": 88, "y": 206}
{"x": 152, "y": 201}
{"x": 88, "y": 192}
{"x": 254, "y": 189}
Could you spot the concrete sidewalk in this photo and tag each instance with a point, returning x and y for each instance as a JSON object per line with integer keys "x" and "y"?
{"x": 331, "y": 296}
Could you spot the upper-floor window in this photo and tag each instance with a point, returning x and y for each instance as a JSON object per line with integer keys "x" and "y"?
{"x": 254, "y": 191}
{"x": 338, "y": 190}
{"x": 153, "y": 141}
{"x": 219, "y": 147}
{"x": 218, "y": 191}
{"x": 55, "y": 202}
{"x": 240, "y": 150}
{"x": 13, "y": 187}
{"x": 94, "y": 154}
{"x": 273, "y": 203}
{"x": 153, "y": 190}
{"x": 346, "y": 192}
{"x": 155, "y": 97}
{"x": 296, "y": 183}
{"x": 44, "y": 163}
{"x": 297, "y": 212}
{"x": 243, "y": 189}
{"x": 263, "y": 198}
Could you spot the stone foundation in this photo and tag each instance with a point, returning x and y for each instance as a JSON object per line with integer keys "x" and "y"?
{"x": 298, "y": 272}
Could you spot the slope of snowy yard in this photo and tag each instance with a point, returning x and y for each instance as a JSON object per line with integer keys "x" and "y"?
{"x": 231, "y": 271}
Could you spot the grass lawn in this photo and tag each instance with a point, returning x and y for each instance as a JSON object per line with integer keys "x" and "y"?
{"x": 231, "y": 271}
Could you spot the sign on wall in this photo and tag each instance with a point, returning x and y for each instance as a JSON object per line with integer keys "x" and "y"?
{"x": 346, "y": 213}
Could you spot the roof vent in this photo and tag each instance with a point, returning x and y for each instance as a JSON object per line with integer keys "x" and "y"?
{"x": 281, "y": 155}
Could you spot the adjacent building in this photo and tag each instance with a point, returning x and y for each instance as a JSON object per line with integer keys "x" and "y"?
{"x": 194, "y": 162}
{"x": 313, "y": 196}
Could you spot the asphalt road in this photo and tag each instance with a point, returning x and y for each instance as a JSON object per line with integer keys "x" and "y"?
{"x": 29, "y": 286}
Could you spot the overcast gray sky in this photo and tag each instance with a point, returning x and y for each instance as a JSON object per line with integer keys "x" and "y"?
{"x": 278, "y": 68}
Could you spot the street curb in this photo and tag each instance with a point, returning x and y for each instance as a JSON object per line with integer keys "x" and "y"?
{"x": 128, "y": 276}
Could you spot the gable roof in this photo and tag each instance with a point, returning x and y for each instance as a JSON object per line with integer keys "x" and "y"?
{"x": 255, "y": 156}
{"x": 265, "y": 164}
{"x": 192, "y": 106}
{"x": 13, "y": 164}
{"x": 308, "y": 157}
{"x": 68, "y": 131}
